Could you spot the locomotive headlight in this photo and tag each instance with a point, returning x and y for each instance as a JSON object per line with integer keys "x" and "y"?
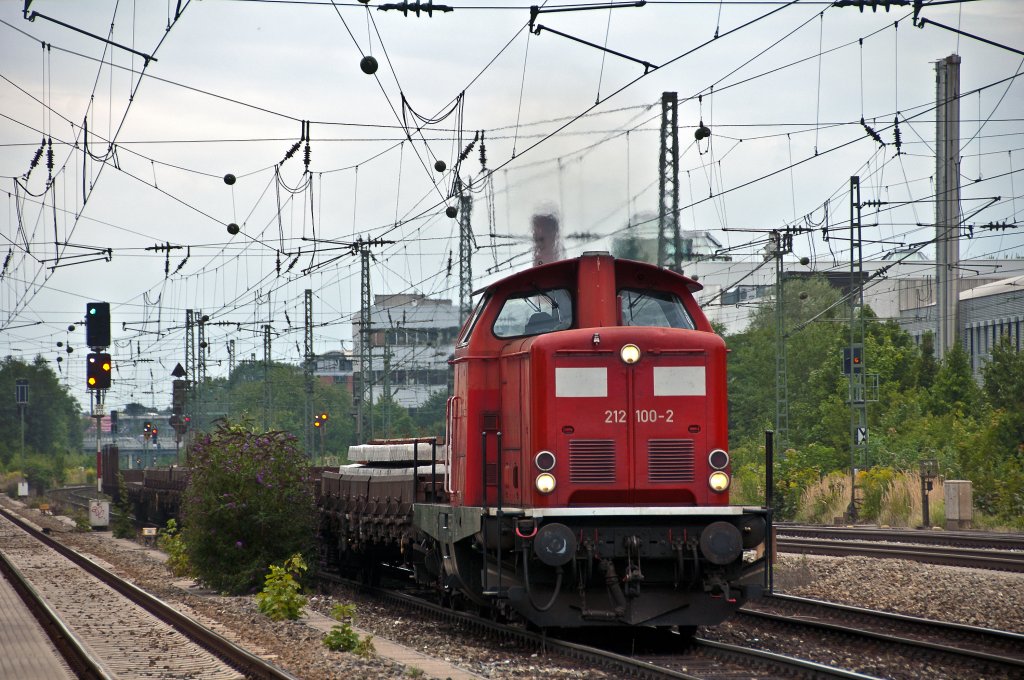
{"x": 718, "y": 481}
{"x": 545, "y": 482}
{"x": 630, "y": 353}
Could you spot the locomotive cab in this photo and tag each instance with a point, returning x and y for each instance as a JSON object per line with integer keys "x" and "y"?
{"x": 587, "y": 464}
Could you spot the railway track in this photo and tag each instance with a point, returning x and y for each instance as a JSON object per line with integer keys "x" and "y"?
{"x": 697, "y": 659}
{"x": 126, "y": 632}
{"x": 979, "y": 652}
{"x": 80, "y": 661}
{"x": 957, "y": 539}
{"x": 953, "y": 556}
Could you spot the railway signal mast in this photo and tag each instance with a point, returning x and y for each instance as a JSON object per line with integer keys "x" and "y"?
{"x": 862, "y": 386}
{"x": 98, "y": 367}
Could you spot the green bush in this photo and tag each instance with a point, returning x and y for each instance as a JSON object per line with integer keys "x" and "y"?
{"x": 343, "y": 638}
{"x": 248, "y": 504}
{"x": 82, "y": 522}
{"x": 280, "y": 598}
{"x": 171, "y": 542}
{"x": 874, "y": 484}
{"x": 748, "y": 485}
{"x": 123, "y": 526}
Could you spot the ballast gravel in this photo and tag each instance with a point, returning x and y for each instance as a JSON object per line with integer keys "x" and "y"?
{"x": 971, "y": 596}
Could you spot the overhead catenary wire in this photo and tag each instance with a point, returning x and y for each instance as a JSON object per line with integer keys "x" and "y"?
{"x": 395, "y": 220}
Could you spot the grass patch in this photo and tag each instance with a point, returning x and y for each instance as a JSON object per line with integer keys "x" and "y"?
{"x": 901, "y": 502}
{"x": 822, "y": 502}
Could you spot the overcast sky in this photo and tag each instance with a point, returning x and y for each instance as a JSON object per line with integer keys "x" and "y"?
{"x": 566, "y": 128}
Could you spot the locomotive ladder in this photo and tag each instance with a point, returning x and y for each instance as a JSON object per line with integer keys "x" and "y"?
{"x": 486, "y": 587}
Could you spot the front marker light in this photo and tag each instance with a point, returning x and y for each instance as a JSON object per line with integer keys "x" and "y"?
{"x": 718, "y": 481}
{"x": 545, "y": 482}
{"x": 718, "y": 459}
{"x": 545, "y": 461}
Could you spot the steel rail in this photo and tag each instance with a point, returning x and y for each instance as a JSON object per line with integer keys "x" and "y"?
{"x": 624, "y": 666}
{"x": 1004, "y": 560}
{"x": 83, "y": 663}
{"x": 988, "y": 636}
{"x": 966, "y": 539}
{"x": 802, "y": 666}
{"x": 251, "y": 665}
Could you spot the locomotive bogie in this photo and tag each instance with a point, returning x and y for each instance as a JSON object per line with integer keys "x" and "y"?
{"x": 667, "y": 567}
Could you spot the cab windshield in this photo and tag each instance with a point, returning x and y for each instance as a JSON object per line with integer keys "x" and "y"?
{"x": 534, "y": 313}
{"x": 653, "y": 308}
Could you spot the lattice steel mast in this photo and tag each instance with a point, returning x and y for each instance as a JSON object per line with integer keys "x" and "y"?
{"x": 307, "y": 371}
{"x": 465, "y": 251}
{"x": 668, "y": 183}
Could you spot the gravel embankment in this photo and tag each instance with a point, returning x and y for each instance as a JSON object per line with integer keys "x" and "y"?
{"x": 976, "y": 597}
{"x": 971, "y": 596}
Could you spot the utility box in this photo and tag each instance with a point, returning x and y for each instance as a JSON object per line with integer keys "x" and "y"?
{"x": 99, "y": 514}
{"x": 959, "y": 504}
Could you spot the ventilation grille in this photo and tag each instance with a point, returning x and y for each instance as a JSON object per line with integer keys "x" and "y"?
{"x": 670, "y": 460}
{"x": 490, "y": 421}
{"x": 592, "y": 461}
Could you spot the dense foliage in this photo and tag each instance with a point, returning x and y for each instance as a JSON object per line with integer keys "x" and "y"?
{"x": 925, "y": 409}
{"x": 52, "y": 420}
{"x": 53, "y": 424}
{"x": 282, "y": 408}
{"x": 249, "y": 504}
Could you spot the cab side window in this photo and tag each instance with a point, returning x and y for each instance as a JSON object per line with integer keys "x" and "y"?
{"x": 654, "y": 308}
{"x": 467, "y": 330}
{"x": 534, "y": 313}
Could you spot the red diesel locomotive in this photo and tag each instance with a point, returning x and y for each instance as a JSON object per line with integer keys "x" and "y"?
{"x": 585, "y": 480}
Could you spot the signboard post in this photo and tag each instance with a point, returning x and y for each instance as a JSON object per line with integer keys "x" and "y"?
{"x": 21, "y": 399}
{"x": 99, "y": 514}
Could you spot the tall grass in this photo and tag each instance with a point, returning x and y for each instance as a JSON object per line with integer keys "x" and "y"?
{"x": 884, "y": 496}
{"x": 822, "y": 502}
{"x": 901, "y": 502}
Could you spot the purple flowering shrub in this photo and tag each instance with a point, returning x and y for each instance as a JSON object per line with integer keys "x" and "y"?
{"x": 248, "y": 505}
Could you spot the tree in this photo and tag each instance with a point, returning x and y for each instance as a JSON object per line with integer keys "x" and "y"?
{"x": 242, "y": 395}
{"x": 1004, "y": 377}
{"x": 927, "y": 367}
{"x": 925, "y": 409}
{"x": 813, "y": 351}
{"x": 390, "y": 420}
{"x": 135, "y": 409}
{"x": 52, "y": 421}
{"x": 954, "y": 389}
{"x": 248, "y": 505}
{"x": 429, "y": 416}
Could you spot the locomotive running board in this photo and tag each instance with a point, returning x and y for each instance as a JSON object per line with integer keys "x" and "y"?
{"x": 704, "y": 511}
